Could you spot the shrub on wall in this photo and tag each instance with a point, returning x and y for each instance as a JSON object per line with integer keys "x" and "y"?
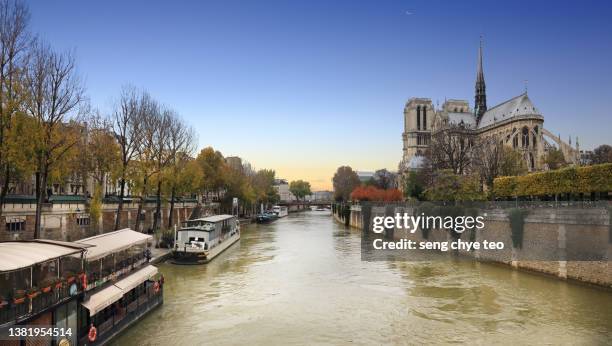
{"x": 517, "y": 225}
{"x": 597, "y": 178}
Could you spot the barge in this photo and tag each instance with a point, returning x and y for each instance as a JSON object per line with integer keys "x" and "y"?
{"x": 201, "y": 240}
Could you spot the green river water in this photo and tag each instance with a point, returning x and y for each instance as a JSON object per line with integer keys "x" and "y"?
{"x": 301, "y": 280}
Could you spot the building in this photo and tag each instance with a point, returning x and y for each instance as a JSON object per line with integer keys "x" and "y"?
{"x": 516, "y": 123}
{"x": 322, "y": 196}
{"x": 234, "y": 162}
{"x": 365, "y": 176}
{"x": 282, "y": 188}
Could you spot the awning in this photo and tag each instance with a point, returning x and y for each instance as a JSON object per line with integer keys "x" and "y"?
{"x": 136, "y": 278}
{"x": 111, "y": 242}
{"x": 16, "y": 255}
{"x": 100, "y": 300}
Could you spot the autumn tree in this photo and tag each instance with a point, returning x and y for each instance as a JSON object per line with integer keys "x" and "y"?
{"x": 414, "y": 183}
{"x": 212, "y": 164}
{"x": 345, "y": 181}
{"x": 102, "y": 159}
{"x": 263, "y": 186}
{"x": 602, "y": 154}
{"x": 15, "y": 43}
{"x": 383, "y": 179}
{"x": 55, "y": 93}
{"x": 300, "y": 189}
{"x": 448, "y": 186}
{"x": 554, "y": 158}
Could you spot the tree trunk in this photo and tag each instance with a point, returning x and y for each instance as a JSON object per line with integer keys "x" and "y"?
{"x": 5, "y": 187}
{"x": 157, "y": 206}
{"x": 171, "y": 207}
{"x": 120, "y": 205}
{"x": 41, "y": 192}
{"x": 140, "y": 204}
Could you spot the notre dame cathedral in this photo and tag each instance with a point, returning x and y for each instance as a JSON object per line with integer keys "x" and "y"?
{"x": 516, "y": 123}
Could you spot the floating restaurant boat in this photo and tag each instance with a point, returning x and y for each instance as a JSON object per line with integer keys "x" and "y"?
{"x": 90, "y": 290}
{"x": 200, "y": 240}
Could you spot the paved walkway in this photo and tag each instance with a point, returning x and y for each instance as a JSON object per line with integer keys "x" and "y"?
{"x": 159, "y": 254}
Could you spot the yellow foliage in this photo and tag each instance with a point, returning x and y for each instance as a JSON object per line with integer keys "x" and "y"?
{"x": 597, "y": 178}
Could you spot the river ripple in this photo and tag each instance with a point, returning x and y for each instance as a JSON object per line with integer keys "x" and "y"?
{"x": 301, "y": 280}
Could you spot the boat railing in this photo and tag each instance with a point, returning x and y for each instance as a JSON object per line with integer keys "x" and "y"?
{"x": 126, "y": 315}
{"x": 18, "y": 309}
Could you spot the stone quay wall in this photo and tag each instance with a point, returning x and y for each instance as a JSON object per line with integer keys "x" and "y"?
{"x": 548, "y": 233}
{"x": 66, "y": 221}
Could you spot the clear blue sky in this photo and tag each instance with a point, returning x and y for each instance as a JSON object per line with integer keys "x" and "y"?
{"x": 306, "y": 86}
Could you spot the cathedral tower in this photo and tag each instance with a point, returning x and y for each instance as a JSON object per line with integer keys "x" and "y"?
{"x": 480, "y": 100}
{"x": 419, "y": 115}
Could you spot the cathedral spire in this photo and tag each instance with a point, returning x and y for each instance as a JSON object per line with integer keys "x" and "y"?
{"x": 480, "y": 100}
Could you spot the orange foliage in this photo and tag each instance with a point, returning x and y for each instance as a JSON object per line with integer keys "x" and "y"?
{"x": 371, "y": 193}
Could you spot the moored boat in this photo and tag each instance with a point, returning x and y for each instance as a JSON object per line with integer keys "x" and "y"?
{"x": 280, "y": 210}
{"x": 266, "y": 217}
{"x": 200, "y": 240}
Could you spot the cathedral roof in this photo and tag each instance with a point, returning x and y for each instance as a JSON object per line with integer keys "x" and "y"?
{"x": 518, "y": 106}
{"x": 467, "y": 119}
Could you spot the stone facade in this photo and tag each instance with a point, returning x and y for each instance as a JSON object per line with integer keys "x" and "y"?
{"x": 71, "y": 221}
{"x": 550, "y": 235}
{"x": 516, "y": 123}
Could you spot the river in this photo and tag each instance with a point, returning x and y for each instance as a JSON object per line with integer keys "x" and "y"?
{"x": 300, "y": 280}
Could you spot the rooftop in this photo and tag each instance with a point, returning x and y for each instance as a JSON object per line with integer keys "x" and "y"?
{"x": 22, "y": 254}
{"x": 215, "y": 218}
{"x": 517, "y": 106}
{"x": 108, "y": 243}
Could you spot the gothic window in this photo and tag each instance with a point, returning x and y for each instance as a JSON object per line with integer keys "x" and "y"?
{"x": 418, "y": 117}
{"x": 424, "y": 118}
{"x": 525, "y": 137}
{"x": 515, "y": 142}
{"x": 536, "y": 129}
{"x": 455, "y": 109}
{"x": 533, "y": 140}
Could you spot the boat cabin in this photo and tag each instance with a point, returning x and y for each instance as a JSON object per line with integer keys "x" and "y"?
{"x": 206, "y": 233}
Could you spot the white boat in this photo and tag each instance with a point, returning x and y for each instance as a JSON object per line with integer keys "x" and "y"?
{"x": 280, "y": 211}
{"x": 200, "y": 240}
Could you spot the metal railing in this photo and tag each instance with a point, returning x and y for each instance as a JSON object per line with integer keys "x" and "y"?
{"x": 18, "y": 309}
{"x": 123, "y": 317}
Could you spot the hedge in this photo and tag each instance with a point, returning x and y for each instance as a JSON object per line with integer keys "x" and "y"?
{"x": 596, "y": 178}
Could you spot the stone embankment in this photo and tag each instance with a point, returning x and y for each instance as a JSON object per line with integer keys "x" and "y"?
{"x": 553, "y": 238}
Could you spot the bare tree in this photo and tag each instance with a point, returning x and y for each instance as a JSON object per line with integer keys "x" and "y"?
{"x": 15, "y": 41}
{"x": 55, "y": 92}
{"x": 162, "y": 157}
{"x": 491, "y": 159}
{"x": 126, "y": 129}
{"x": 149, "y": 122}
{"x": 181, "y": 146}
{"x": 451, "y": 149}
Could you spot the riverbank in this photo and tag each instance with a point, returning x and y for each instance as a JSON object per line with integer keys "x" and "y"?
{"x": 548, "y": 233}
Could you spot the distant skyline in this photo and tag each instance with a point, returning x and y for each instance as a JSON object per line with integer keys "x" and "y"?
{"x": 304, "y": 87}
